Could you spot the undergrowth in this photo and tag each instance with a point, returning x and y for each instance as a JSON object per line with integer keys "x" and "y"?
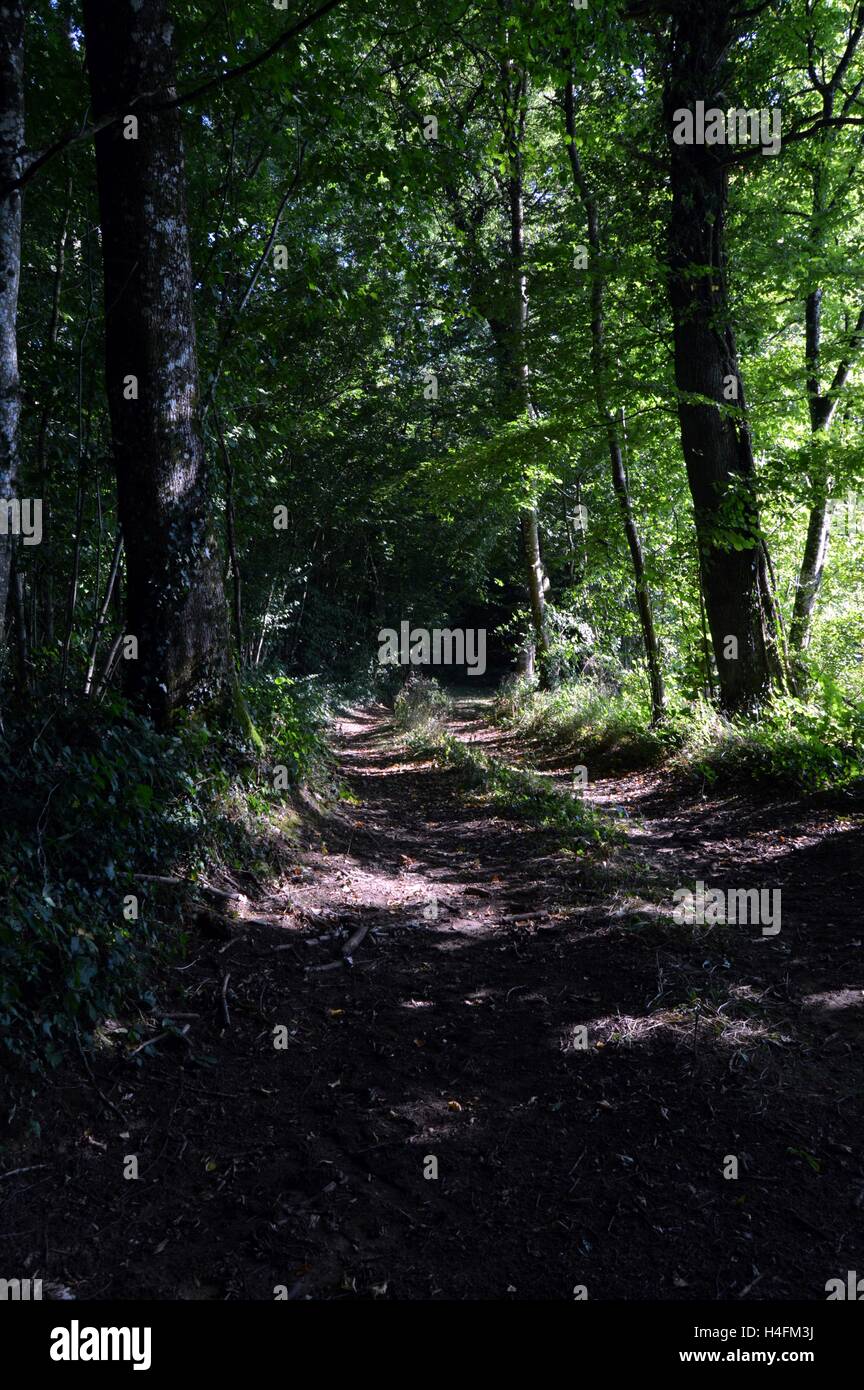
{"x": 421, "y": 706}
{"x": 93, "y": 797}
{"x": 806, "y": 744}
{"x": 421, "y": 712}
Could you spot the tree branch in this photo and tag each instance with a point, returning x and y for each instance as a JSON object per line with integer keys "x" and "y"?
{"x": 86, "y": 132}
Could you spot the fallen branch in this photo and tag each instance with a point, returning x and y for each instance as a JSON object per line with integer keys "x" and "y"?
{"x": 170, "y": 881}
{"x": 354, "y": 941}
{"x": 160, "y": 1037}
{"x": 526, "y": 917}
{"x": 346, "y": 953}
{"x": 31, "y": 1169}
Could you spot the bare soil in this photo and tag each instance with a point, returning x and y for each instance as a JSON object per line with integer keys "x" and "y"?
{"x": 454, "y": 1037}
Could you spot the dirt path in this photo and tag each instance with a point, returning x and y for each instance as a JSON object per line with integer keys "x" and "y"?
{"x": 455, "y": 1038}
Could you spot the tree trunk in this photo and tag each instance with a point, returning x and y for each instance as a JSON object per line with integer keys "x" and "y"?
{"x": 22, "y": 643}
{"x": 231, "y": 542}
{"x": 174, "y": 595}
{"x": 822, "y": 409}
{"x": 513, "y": 360}
{"x": 714, "y": 431}
{"x": 499, "y": 295}
{"x": 599, "y": 368}
{"x": 11, "y": 155}
{"x": 809, "y": 580}
{"x": 42, "y": 577}
{"x": 530, "y": 534}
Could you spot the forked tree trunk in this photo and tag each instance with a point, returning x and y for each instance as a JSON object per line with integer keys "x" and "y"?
{"x": 175, "y": 600}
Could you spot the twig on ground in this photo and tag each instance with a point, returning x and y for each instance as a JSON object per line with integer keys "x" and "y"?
{"x": 160, "y": 1037}
{"x": 354, "y": 941}
{"x": 32, "y": 1168}
{"x": 104, "y": 1099}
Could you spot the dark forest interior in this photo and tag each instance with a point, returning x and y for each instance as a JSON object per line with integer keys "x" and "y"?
{"x": 431, "y": 651}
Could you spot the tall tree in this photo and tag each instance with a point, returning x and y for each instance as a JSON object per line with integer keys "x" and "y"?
{"x": 490, "y": 220}
{"x": 175, "y": 600}
{"x": 822, "y": 404}
{"x": 11, "y": 158}
{"x": 608, "y": 422}
{"x": 511, "y": 335}
{"x": 715, "y": 432}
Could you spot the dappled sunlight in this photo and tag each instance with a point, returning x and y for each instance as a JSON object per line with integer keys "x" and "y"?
{"x": 521, "y": 1012}
{"x": 692, "y": 1025}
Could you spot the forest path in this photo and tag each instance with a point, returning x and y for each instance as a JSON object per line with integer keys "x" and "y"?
{"x": 454, "y": 1037}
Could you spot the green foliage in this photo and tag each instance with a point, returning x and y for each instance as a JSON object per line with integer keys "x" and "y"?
{"x": 421, "y": 707}
{"x": 590, "y": 717}
{"x": 518, "y": 792}
{"x": 95, "y": 796}
{"x": 807, "y": 745}
{"x": 397, "y": 264}
{"x": 804, "y": 744}
{"x": 291, "y": 711}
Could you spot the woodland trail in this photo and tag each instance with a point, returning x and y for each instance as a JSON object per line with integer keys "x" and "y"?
{"x": 452, "y": 1037}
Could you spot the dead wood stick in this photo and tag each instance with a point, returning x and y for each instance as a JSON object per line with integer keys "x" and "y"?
{"x": 225, "y": 1012}
{"x": 346, "y": 953}
{"x": 354, "y": 941}
{"x": 524, "y": 917}
{"x": 169, "y": 881}
{"x": 163, "y": 878}
{"x": 160, "y": 1037}
{"x": 31, "y": 1169}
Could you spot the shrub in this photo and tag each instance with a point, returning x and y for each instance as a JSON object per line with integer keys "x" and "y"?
{"x": 807, "y": 744}
{"x": 90, "y": 799}
{"x": 804, "y": 744}
{"x": 582, "y": 716}
{"x": 421, "y": 705}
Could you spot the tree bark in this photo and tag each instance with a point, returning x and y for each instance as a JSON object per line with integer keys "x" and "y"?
{"x": 822, "y": 409}
{"x": 599, "y": 371}
{"x": 22, "y": 643}
{"x": 513, "y": 357}
{"x": 11, "y": 156}
{"x": 715, "y": 434}
{"x": 174, "y": 594}
{"x": 231, "y": 541}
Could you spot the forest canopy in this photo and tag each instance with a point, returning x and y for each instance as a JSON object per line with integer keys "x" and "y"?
{"x": 469, "y": 316}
